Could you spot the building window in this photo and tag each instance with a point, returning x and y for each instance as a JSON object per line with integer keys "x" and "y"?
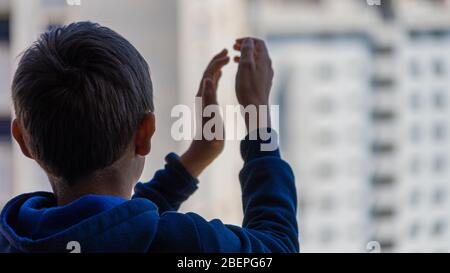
{"x": 4, "y": 29}
{"x": 440, "y": 132}
{"x": 5, "y": 129}
{"x": 415, "y": 100}
{"x": 439, "y": 228}
{"x": 325, "y": 72}
{"x": 383, "y": 148}
{"x": 415, "y": 165}
{"x": 439, "y": 196}
{"x": 415, "y": 133}
{"x": 325, "y": 105}
{"x": 440, "y": 99}
{"x": 414, "y": 231}
{"x": 325, "y": 171}
{"x": 327, "y": 204}
{"x": 415, "y": 198}
{"x": 379, "y": 180}
{"x": 439, "y": 68}
{"x": 325, "y": 138}
{"x": 414, "y": 68}
{"x": 327, "y": 235}
{"x": 383, "y": 212}
{"x": 440, "y": 164}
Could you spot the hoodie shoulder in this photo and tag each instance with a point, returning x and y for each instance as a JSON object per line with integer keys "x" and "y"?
{"x": 128, "y": 226}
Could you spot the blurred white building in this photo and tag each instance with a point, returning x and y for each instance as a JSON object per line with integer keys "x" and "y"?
{"x": 424, "y": 151}
{"x": 324, "y": 97}
{"x": 424, "y": 125}
{"x": 323, "y": 84}
{"x": 350, "y": 89}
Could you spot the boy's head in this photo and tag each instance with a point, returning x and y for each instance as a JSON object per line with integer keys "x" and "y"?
{"x": 83, "y": 100}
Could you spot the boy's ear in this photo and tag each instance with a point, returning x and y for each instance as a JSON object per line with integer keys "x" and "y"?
{"x": 18, "y": 136}
{"x": 144, "y": 135}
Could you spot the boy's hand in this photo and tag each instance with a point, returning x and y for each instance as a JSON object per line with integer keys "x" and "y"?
{"x": 255, "y": 74}
{"x": 202, "y": 152}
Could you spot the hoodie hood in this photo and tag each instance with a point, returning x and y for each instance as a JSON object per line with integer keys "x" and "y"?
{"x": 34, "y": 223}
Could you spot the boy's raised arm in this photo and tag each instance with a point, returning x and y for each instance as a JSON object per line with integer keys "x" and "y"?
{"x": 267, "y": 182}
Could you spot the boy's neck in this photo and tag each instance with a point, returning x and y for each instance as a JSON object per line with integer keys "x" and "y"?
{"x": 66, "y": 196}
{"x": 117, "y": 180}
{"x": 111, "y": 184}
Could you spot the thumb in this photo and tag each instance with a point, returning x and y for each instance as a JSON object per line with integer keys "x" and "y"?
{"x": 247, "y": 51}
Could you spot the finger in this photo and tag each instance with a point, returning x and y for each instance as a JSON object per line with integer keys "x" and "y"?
{"x": 237, "y": 59}
{"x": 260, "y": 45}
{"x": 222, "y": 53}
{"x": 220, "y": 63}
{"x": 216, "y": 65}
{"x": 262, "y": 51}
{"x": 237, "y": 46}
{"x": 247, "y": 51}
{"x": 241, "y": 40}
{"x": 213, "y": 69}
{"x": 238, "y": 42}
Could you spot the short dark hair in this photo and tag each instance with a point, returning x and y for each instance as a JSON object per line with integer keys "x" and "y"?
{"x": 80, "y": 92}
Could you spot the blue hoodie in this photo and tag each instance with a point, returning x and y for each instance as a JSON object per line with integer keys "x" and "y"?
{"x": 149, "y": 222}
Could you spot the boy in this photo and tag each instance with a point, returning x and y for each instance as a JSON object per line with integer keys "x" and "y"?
{"x": 83, "y": 100}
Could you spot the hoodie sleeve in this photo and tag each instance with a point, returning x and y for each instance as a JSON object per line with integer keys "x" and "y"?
{"x": 170, "y": 187}
{"x": 269, "y": 202}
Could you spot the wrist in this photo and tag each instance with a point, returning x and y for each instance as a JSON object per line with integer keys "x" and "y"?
{"x": 189, "y": 162}
{"x": 261, "y": 119}
{"x": 200, "y": 155}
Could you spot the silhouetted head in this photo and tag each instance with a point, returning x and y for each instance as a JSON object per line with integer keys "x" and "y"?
{"x": 83, "y": 99}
